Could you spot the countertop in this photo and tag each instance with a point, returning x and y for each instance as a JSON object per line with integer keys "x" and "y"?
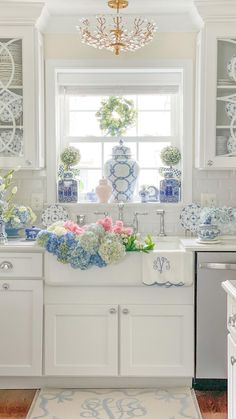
{"x": 227, "y": 244}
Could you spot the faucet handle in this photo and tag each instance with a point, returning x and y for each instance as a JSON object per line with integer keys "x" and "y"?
{"x": 160, "y": 212}
{"x": 140, "y": 213}
{"x": 105, "y": 213}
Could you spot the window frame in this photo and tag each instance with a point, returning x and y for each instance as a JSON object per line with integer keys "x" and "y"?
{"x": 56, "y": 69}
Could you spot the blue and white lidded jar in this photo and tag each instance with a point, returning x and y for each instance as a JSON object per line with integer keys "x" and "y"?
{"x": 169, "y": 188}
{"x": 122, "y": 172}
{"x": 68, "y": 188}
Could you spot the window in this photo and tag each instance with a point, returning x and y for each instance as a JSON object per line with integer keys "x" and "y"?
{"x": 157, "y": 99}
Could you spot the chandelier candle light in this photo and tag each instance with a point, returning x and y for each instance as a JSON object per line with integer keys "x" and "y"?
{"x": 115, "y": 33}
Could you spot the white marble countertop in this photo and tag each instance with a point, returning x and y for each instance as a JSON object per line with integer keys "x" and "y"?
{"x": 227, "y": 243}
{"x": 20, "y": 245}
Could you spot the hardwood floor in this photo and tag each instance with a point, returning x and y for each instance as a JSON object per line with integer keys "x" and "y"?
{"x": 15, "y": 404}
{"x": 213, "y": 404}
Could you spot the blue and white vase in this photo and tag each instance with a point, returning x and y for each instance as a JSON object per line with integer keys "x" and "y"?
{"x": 208, "y": 231}
{"x": 169, "y": 188}
{"x": 122, "y": 172}
{"x": 68, "y": 188}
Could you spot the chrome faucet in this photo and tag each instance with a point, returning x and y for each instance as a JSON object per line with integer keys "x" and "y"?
{"x": 80, "y": 219}
{"x": 161, "y": 212}
{"x": 121, "y": 211}
{"x": 135, "y": 224}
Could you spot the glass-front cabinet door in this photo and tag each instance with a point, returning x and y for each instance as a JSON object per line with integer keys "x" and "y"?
{"x": 216, "y": 97}
{"x": 18, "y": 101}
{"x": 226, "y": 98}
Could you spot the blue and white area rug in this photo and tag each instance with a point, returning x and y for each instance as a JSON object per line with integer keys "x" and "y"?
{"x": 175, "y": 403}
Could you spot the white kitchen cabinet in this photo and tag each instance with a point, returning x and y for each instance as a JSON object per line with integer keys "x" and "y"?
{"x": 216, "y": 97}
{"x": 21, "y": 315}
{"x": 81, "y": 340}
{"x": 156, "y": 340}
{"x": 143, "y": 340}
{"x": 21, "y": 97}
{"x": 231, "y": 378}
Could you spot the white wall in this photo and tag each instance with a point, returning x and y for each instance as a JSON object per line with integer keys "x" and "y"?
{"x": 165, "y": 46}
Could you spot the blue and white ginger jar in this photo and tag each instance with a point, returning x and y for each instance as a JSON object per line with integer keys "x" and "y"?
{"x": 68, "y": 188}
{"x": 122, "y": 172}
{"x": 169, "y": 188}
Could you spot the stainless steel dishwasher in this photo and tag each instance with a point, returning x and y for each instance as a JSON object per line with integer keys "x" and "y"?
{"x": 211, "y": 334}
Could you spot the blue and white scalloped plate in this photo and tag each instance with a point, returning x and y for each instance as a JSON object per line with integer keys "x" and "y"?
{"x": 54, "y": 213}
{"x": 190, "y": 217}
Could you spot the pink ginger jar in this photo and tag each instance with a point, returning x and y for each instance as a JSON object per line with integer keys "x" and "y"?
{"x": 103, "y": 191}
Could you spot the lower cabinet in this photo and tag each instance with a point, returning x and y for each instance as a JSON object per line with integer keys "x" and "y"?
{"x": 81, "y": 340}
{"x": 21, "y": 316}
{"x": 126, "y": 340}
{"x": 157, "y": 340}
{"x": 231, "y": 378}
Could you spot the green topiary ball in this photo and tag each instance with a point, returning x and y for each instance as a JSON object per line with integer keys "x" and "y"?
{"x": 116, "y": 115}
{"x": 170, "y": 156}
{"x": 70, "y": 157}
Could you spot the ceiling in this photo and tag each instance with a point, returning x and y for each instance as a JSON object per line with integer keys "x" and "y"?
{"x": 170, "y": 15}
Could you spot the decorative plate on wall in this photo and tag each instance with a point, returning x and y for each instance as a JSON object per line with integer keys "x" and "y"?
{"x": 54, "y": 213}
{"x": 190, "y": 217}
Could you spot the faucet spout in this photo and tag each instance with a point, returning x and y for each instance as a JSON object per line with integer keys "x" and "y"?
{"x": 161, "y": 212}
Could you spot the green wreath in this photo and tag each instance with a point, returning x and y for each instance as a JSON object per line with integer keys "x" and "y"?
{"x": 116, "y": 115}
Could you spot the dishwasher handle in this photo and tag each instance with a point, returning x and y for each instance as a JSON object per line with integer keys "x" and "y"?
{"x": 216, "y": 265}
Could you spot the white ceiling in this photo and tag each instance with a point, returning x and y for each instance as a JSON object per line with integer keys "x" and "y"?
{"x": 62, "y": 7}
{"x": 170, "y": 15}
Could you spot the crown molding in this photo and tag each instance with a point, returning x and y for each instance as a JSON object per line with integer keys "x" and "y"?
{"x": 216, "y": 10}
{"x": 20, "y": 12}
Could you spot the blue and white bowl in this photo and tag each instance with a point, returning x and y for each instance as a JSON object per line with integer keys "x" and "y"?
{"x": 208, "y": 232}
{"x": 32, "y": 232}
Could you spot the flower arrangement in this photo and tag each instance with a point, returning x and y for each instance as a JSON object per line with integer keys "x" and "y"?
{"x": 97, "y": 244}
{"x": 170, "y": 156}
{"x": 69, "y": 157}
{"x": 18, "y": 216}
{"x": 116, "y": 115}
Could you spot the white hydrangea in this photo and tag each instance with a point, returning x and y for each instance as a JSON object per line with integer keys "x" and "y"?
{"x": 89, "y": 242}
{"x": 97, "y": 229}
{"x": 111, "y": 249}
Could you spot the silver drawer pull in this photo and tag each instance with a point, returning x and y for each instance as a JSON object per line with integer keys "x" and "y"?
{"x": 232, "y": 320}
{"x": 125, "y": 311}
{"x": 5, "y": 286}
{"x": 226, "y": 266}
{"x": 6, "y": 266}
{"x": 112, "y": 310}
{"x": 233, "y": 360}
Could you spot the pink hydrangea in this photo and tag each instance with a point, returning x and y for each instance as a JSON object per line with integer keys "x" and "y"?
{"x": 73, "y": 227}
{"x": 106, "y": 223}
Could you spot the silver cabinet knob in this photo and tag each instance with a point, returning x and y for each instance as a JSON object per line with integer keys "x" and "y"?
{"x": 112, "y": 310}
{"x": 232, "y": 321}
{"x": 233, "y": 360}
{"x": 6, "y": 265}
{"x": 210, "y": 163}
{"x": 5, "y": 286}
{"x": 125, "y": 311}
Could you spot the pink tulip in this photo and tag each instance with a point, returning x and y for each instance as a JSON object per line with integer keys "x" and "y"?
{"x": 106, "y": 223}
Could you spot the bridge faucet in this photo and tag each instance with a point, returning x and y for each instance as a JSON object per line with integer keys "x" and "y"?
{"x": 135, "y": 224}
{"x": 121, "y": 211}
{"x": 161, "y": 212}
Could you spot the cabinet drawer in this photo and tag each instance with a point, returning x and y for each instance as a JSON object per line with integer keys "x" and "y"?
{"x": 21, "y": 265}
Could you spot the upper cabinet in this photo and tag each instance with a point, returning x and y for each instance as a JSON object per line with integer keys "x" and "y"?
{"x": 21, "y": 94}
{"x": 216, "y": 97}
{"x": 216, "y": 85}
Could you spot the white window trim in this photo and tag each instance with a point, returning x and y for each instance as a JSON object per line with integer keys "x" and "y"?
{"x": 56, "y": 67}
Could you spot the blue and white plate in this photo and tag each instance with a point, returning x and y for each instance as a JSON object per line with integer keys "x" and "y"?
{"x": 190, "y": 217}
{"x": 54, "y": 213}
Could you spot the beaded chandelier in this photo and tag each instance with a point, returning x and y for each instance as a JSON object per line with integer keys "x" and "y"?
{"x": 115, "y": 33}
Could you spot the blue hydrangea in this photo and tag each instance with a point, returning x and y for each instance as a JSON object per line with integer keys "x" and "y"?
{"x": 66, "y": 244}
{"x": 96, "y": 260}
{"x": 80, "y": 258}
{"x": 52, "y": 244}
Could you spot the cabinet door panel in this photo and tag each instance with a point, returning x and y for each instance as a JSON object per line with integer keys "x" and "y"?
{"x": 21, "y": 312}
{"x": 81, "y": 340}
{"x": 157, "y": 340}
{"x": 231, "y": 378}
